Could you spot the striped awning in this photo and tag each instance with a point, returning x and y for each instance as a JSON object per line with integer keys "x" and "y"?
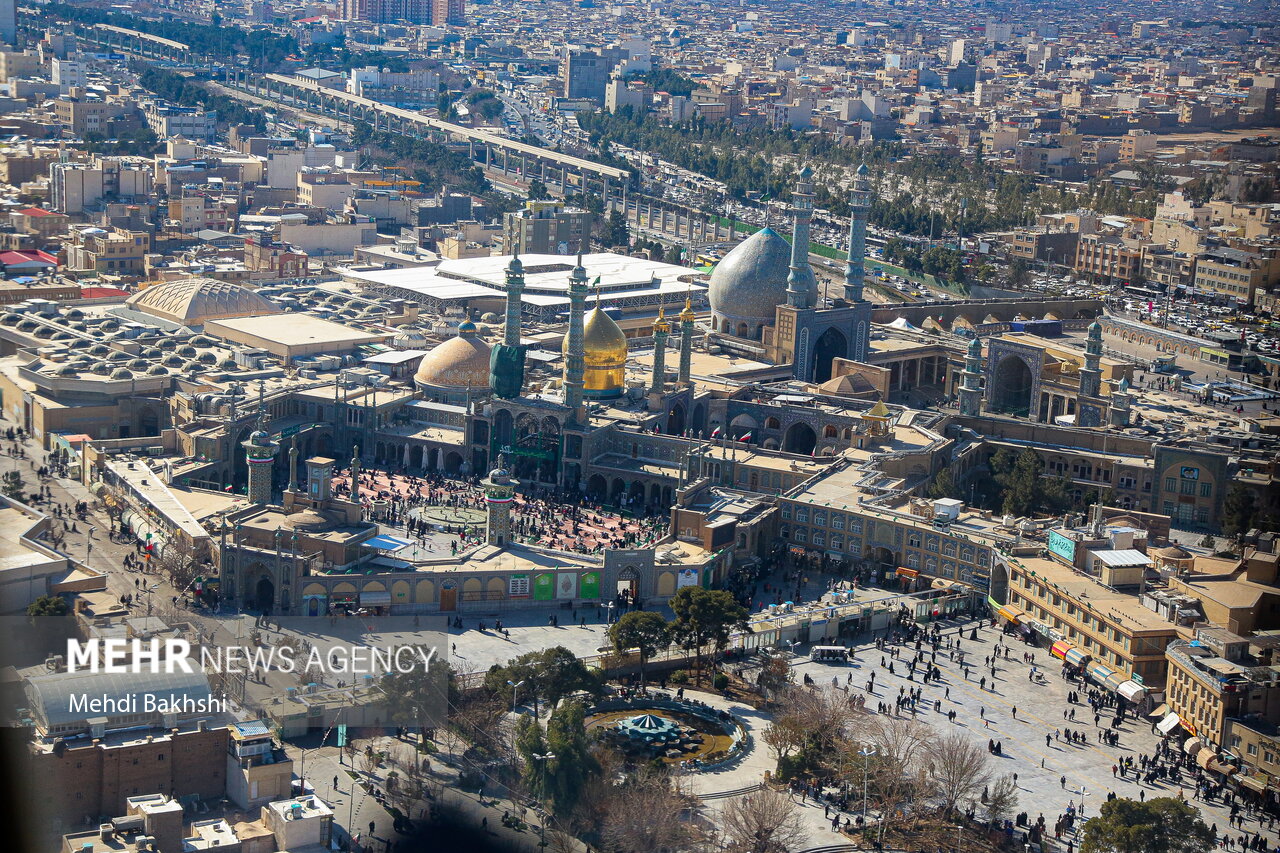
{"x": 1205, "y": 757}
{"x": 1132, "y": 690}
{"x": 1114, "y": 680}
{"x": 1076, "y": 657}
{"x": 1013, "y": 614}
{"x": 1060, "y": 649}
{"x": 1100, "y": 672}
{"x": 1192, "y": 745}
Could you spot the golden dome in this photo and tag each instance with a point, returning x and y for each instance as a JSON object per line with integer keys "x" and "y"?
{"x": 461, "y": 362}
{"x": 603, "y": 342}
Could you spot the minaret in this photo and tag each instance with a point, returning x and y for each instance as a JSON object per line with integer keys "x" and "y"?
{"x": 499, "y": 494}
{"x": 1091, "y": 373}
{"x": 1121, "y": 404}
{"x": 260, "y": 454}
{"x": 515, "y": 292}
{"x": 293, "y": 465}
{"x": 799, "y": 281}
{"x": 574, "y": 366}
{"x": 686, "y": 343}
{"x": 506, "y": 361}
{"x": 970, "y": 390}
{"x": 1088, "y": 409}
{"x": 661, "y": 328}
{"x": 859, "y": 204}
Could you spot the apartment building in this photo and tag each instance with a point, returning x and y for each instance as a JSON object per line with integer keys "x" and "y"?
{"x": 77, "y": 187}
{"x": 117, "y": 251}
{"x": 1234, "y": 274}
{"x": 324, "y": 189}
{"x": 169, "y": 120}
{"x": 1110, "y": 259}
{"x": 1107, "y": 625}
{"x": 1213, "y": 680}
{"x": 546, "y": 228}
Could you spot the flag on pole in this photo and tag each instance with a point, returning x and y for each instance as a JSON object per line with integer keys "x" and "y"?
{"x": 715, "y": 433}
{"x": 746, "y": 436}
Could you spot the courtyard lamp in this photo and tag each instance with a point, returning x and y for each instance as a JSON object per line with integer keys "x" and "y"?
{"x": 866, "y": 753}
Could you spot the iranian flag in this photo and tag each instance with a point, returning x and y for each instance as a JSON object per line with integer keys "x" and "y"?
{"x": 715, "y": 433}
{"x": 746, "y": 436}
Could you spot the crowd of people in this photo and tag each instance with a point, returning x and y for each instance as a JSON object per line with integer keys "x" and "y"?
{"x": 539, "y": 516}
{"x": 936, "y": 659}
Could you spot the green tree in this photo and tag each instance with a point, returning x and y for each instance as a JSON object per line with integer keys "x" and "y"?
{"x": 548, "y": 674}
{"x": 1024, "y": 487}
{"x": 675, "y": 255}
{"x": 1209, "y": 542}
{"x": 705, "y": 616}
{"x": 643, "y": 630}
{"x": 531, "y": 745}
{"x": 418, "y": 698}
{"x": 538, "y": 190}
{"x": 572, "y": 765}
{"x": 12, "y": 484}
{"x": 944, "y": 485}
{"x": 47, "y": 608}
{"x": 1239, "y": 509}
{"x": 616, "y": 231}
{"x": 1160, "y": 825}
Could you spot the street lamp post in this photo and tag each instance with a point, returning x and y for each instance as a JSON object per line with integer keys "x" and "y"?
{"x": 866, "y": 753}
{"x": 542, "y": 759}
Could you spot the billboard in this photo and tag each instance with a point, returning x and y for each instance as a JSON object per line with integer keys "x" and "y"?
{"x": 1062, "y": 547}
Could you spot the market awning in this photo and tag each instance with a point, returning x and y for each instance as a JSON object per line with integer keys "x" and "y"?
{"x": 1168, "y": 724}
{"x": 1013, "y": 614}
{"x": 1100, "y": 672}
{"x": 387, "y": 543}
{"x": 1132, "y": 690}
{"x": 1218, "y": 766}
{"x": 1205, "y": 757}
{"x": 375, "y": 599}
{"x": 908, "y": 573}
{"x": 1253, "y": 783}
{"x": 1114, "y": 680}
{"x": 1192, "y": 745}
{"x": 1060, "y": 649}
{"x": 1159, "y": 712}
{"x": 1076, "y": 657}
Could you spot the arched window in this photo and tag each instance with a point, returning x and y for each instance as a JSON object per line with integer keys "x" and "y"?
{"x": 829, "y": 431}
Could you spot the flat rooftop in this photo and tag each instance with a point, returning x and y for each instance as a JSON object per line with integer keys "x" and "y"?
{"x": 1120, "y": 606}
{"x": 293, "y": 330}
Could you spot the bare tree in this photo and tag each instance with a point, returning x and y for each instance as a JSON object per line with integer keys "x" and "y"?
{"x": 824, "y": 714}
{"x": 1002, "y": 798}
{"x": 643, "y": 815}
{"x": 766, "y": 821}
{"x": 774, "y": 676}
{"x": 959, "y": 769}
{"x": 181, "y": 563}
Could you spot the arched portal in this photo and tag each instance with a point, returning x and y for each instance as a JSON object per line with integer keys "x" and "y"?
{"x": 628, "y": 585}
{"x": 597, "y": 487}
{"x": 675, "y": 420}
{"x": 699, "y": 422}
{"x": 883, "y": 560}
{"x": 741, "y": 425}
{"x": 148, "y": 421}
{"x": 1000, "y": 583}
{"x": 264, "y": 594}
{"x": 452, "y": 463}
{"x": 800, "y": 438}
{"x": 1012, "y": 386}
{"x": 831, "y": 344}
